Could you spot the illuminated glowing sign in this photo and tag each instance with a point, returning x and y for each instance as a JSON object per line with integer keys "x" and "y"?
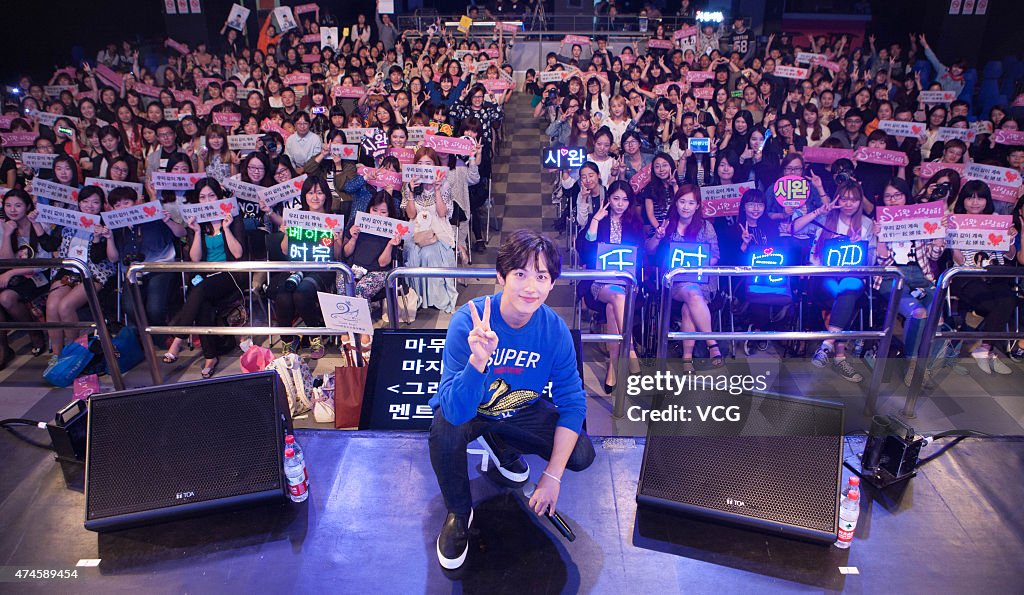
{"x": 842, "y": 253}
{"x": 310, "y": 245}
{"x": 688, "y": 255}
{"x": 616, "y": 257}
{"x": 768, "y": 257}
{"x": 710, "y": 17}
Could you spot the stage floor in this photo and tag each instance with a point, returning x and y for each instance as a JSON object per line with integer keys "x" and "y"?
{"x": 374, "y": 510}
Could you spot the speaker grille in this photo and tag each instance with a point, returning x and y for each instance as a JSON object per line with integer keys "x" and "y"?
{"x": 176, "y": 445}
{"x": 782, "y": 468}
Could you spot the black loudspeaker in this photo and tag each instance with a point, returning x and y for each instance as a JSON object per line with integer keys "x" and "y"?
{"x": 176, "y": 450}
{"x": 777, "y": 469}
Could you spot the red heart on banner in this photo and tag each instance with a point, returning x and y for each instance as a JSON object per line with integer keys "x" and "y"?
{"x": 87, "y": 222}
{"x": 193, "y": 179}
{"x": 402, "y": 229}
{"x": 1011, "y": 176}
{"x": 149, "y": 211}
{"x": 995, "y": 239}
{"x": 930, "y": 227}
{"x": 226, "y": 207}
{"x": 331, "y": 222}
{"x": 74, "y": 195}
{"x": 347, "y": 151}
{"x": 768, "y": 251}
{"x": 917, "y": 129}
{"x": 298, "y": 185}
{"x": 743, "y": 190}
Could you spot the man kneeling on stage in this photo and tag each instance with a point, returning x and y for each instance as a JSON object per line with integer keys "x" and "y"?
{"x": 496, "y": 365}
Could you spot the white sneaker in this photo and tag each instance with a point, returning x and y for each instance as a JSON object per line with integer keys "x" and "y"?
{"x": 983, "y": 361}
{"x": 998, "y": 366}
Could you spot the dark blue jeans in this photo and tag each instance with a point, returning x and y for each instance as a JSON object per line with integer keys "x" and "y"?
{"x": 531, "y": 431}
{"x": 159, "y": 292}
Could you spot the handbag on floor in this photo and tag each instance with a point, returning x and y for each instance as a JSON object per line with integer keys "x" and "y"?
{"x": 349, "y": 383}
{"x": 297, "y": 381}
{"x": 72, "y": 361}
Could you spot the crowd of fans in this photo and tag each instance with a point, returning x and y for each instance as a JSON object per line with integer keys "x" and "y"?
{"x": 292, "y": 102}
{"x": 666, "y": 123}
{"x": 707, "y": 111}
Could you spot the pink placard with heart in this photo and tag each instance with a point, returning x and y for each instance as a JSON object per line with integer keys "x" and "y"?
{"x": 911, "y": 222}
{"x": 988, "y": 233}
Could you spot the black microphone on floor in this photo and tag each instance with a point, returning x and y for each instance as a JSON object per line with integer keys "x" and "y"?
{"x": 555, "y": 518}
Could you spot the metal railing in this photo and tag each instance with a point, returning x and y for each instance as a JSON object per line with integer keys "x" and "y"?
{"x": 884, "y": 336}
{"x": 624, "y": 338}
{"x": 99, "y": 324}
{"x": 146, "y": 331}
{"x": 579, "y": 22}
{"x": 930, "y": 332}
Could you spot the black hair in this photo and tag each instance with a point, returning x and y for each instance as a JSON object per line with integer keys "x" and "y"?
{"x": 970, "y": 189}
{"x": 121, "y": 193}
{"x": 320, "y": 182}
{"x": 524, "y": 246}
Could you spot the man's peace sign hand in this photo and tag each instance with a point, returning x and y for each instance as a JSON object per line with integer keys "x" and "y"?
{"x": 482, "y": 340}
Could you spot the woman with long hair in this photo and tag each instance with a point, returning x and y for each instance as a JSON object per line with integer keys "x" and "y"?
{"x": 686, "y": 223}
{"x": 19, "y": 287}
{"x": 613, "y": 223}
{"x": 429, "y": 205}
{"x": 95, "y": 248}
{"x": 296, "y": 293}
{"x": 917, "y": 260}
{"x": 841, "y": 218}
{"x": 215, "y": 241}
{"x": 992, "y": 299}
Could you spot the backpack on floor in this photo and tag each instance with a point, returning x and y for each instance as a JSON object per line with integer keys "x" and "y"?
{"x": 297, "y": 381}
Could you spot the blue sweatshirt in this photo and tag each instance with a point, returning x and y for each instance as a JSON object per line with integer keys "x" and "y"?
{"x": 525, "y": 361}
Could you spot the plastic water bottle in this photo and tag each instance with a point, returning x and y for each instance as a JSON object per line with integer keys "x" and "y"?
{"x": 849, "y": 510}
{"x": 292, "y": 443}
{"x": 854, "y": 484}
{"x": 296, "y": 474}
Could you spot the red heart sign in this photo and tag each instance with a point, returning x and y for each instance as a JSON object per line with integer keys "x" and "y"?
{"x": 193, "y": 179}
{"x": 916, "y": 129}
{"x": 347, "y": 151}
{"x": 226, "y": 207}
{"x": 995, "y": 239}
{"x": 743, "y": 190}
{"x": 1011, "y": 176}
{"x": 331, "y": 222}
{"x": 87, "y": 222}
{"x": 768, "y": 251}
{"x": 298, "y": 185}
{"x": 930, "y": 227}
{"x": 74, "y": 195}
{"x": 150, "y": 211}
{"x": 402, "y": 229}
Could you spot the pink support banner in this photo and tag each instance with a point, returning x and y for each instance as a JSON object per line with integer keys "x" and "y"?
{"x": 881, "y": 156}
